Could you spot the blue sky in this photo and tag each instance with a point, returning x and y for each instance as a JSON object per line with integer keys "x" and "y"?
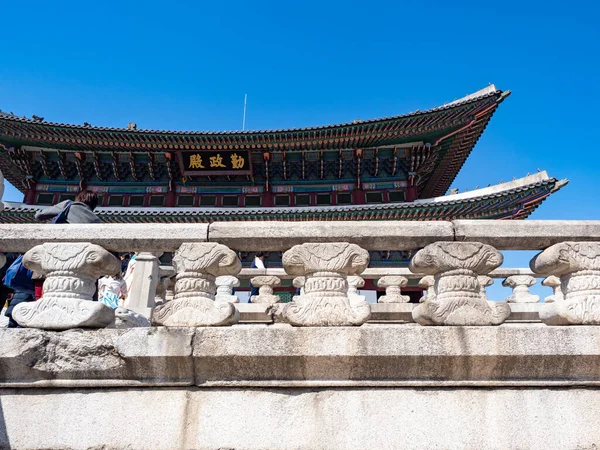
{"x": 187, "y": 65}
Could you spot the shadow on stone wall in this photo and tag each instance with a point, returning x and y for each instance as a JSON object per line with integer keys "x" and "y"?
{"x": 4, "y": 442}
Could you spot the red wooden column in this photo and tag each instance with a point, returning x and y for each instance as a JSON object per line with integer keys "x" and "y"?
{"x": 411, "y": 193}
{"x": 29, "y": 198}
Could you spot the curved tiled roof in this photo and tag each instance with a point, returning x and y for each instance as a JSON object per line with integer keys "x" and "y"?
{"x": 489, "y": 91}
{"x": 510, "y": 201}
{"x": 449, "y": 131}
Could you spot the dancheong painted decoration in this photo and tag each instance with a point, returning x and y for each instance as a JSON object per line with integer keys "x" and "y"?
{"x": 395, "y": 168}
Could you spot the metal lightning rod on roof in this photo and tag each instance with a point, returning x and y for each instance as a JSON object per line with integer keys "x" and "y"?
{"x": 244, "y": 119}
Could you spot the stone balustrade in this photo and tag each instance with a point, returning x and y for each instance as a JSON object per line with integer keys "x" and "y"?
{"x": 455, "y": 262}
{"x": 265, "y": 284}
{"x": 326, "y": 361}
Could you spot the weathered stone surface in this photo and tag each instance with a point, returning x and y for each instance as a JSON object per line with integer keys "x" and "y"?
{"x": 165, "y": 274}
{"x": 427, "y": 283}
{"x": 374, "y": 235}
{"x": 578, "y": 266}
{"x": 354, "y": 284}
{"x": 520, "y": 285}
{"x": 455, "y": 267}
{"x": 142, "y": 293}
{"x": 393, "y": 289}
{"x": 399, "y": 313}
{"x": 71, "y": 272}
{"x": 484, "y": 281}
{"x": 126, "y": 318}
{"x": 524, "y": 312}
{"x": 265, "y": 285}
{"x": 254, "y": 355}
{"x": 225, "y": 285}
{"x": 299, "y": 283}
{"x": 197, "y": 266}
{"x": 525, "y": 234}
{"x": 325, "y": 300}
{"x": 122, "y": 237}
{"x": 321, "y": 419}
{"x": 106, "y": 357}
{"x": 336, "y": 419}
{"x": 256, "y": 312}
{"x": 553, "y": 282}
{"x": 397, "y": 355}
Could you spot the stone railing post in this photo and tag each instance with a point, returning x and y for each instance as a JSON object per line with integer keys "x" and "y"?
{"x": 71, "y": 270}
{"x": 393, "y": 289}
{"x": 325, "y": 300}
{"x": 427, "y": 283}
{"x": 165, "y": 273}
{"x": 578, "y": 266}
{"x": 265, "y": 285}
{"x": 142, "y": 294}
{"x": 455, "y": 267}
{"x": 298, "y": 283}
{"x": 354, "y": 284}
{"x": 194, "y": 305}
{"x": 225, "y": 285}
{"x": 520, "y": 285}
{"x": 484, "y": 282}
{"x": 553, "y": 282}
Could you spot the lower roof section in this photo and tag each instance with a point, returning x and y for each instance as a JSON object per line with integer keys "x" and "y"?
{"x": 513, "y": 200}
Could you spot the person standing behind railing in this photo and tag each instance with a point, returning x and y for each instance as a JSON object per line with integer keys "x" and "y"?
{"x": 79, "y": 211}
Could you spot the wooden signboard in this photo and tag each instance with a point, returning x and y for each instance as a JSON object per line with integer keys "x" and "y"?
{"x": 215, "y": 162}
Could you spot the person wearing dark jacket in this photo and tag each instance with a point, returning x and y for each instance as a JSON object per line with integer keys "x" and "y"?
{"x": 81, "y": 211}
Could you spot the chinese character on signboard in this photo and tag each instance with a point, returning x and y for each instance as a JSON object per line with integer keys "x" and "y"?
{"x": 223, "y": 162}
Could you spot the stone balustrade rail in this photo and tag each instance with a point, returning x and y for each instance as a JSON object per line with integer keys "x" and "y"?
{"x": 374, "y": 273}
{"x": 280, "y": 236}
{"x": 460, "y": 258}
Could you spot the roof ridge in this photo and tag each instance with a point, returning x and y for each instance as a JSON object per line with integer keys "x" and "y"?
{"x": 471, "y": 98}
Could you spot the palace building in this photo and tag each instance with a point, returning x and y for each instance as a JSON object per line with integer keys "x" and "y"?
{"x": 395, "y": 168}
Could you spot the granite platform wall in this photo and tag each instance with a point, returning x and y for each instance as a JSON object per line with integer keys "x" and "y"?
{"x": 376, "y": 386}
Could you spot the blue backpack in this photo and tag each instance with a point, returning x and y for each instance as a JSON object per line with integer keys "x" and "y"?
{"x": 62, "y": 217}
{"x": 18, "y": 277}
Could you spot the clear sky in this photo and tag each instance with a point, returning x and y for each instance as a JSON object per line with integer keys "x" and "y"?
{"x": 187, "y": 65}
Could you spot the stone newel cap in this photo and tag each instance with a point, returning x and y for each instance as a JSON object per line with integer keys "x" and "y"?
{"x": 519, "y": 280}
{"x": 227, "y": 280}
{"x": 211, "y": 258}
{"x": 392, "y": 280}
{"x": 566, "y": 257}
{"x": 340, "y": 257}
{"x": 445, "y": 256}
{"x": 83, "y": 258}
{"x": 265, "y": 280}
{"x": 427, "y": 281}
{"x": 551, "y": 281}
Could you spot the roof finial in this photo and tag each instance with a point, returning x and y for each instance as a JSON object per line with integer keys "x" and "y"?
{"x": 131, "y": 126}
{"x": 37, "y": 118}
